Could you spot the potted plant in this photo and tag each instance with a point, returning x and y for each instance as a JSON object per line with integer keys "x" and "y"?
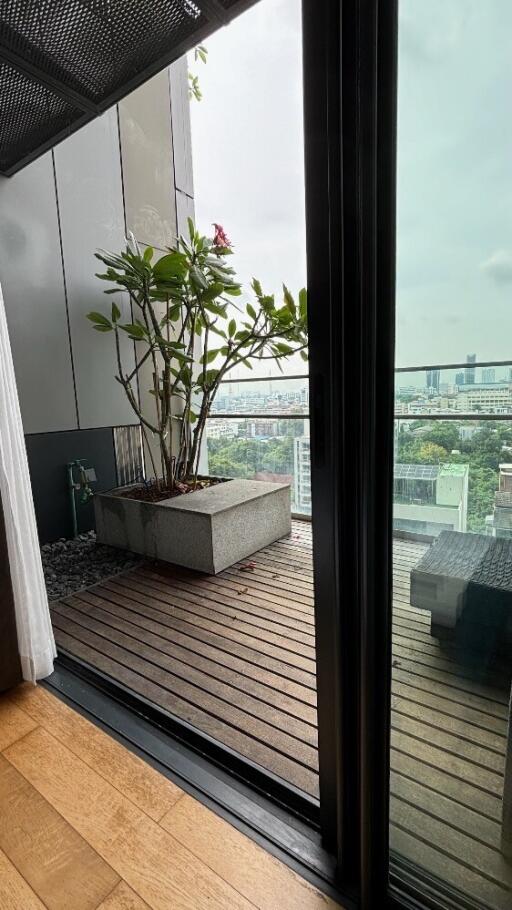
{"x": 186, "y": 324}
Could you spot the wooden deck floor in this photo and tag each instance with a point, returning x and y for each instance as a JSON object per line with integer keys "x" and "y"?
{"x": 235, "y": 656}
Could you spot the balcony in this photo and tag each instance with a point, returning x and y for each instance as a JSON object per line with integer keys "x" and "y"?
{"x": 233, "y": 655}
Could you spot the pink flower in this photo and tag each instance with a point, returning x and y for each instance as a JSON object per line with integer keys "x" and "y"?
{"x": 220, "y": 239}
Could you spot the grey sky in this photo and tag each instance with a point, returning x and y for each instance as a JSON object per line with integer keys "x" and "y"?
{"x": 247, "y": 141}
{"x": 454, "y": 275}
{"x": 454, "y": 272}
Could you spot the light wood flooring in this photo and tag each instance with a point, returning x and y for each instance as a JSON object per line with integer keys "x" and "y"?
{"x": 86, "y": 825}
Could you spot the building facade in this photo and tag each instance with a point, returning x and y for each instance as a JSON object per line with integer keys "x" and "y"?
{"x": 429, "y": 499}
{"x": 499, "y": 524}
{"x": 302, "y": 472}
{"x": 128, "y": 170}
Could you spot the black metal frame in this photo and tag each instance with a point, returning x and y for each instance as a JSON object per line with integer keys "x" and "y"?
{"x": 350, "y": 54}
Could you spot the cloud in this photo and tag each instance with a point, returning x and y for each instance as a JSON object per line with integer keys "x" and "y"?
{"x": 499, "y": 266}
{"x": 432, "y": 32}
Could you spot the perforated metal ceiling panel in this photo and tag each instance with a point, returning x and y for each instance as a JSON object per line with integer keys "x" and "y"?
{"x": 62, "y": 62}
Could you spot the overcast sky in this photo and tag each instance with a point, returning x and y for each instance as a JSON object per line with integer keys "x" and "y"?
{"x": 454, "y": 270}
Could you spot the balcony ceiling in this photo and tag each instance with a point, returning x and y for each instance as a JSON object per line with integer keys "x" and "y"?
{"x": 64, "y": 62}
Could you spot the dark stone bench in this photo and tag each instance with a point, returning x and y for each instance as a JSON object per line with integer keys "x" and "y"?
{"x": 465, "y": 580}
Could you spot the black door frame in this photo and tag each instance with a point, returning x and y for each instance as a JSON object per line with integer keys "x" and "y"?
{"x": 350, "y": 67}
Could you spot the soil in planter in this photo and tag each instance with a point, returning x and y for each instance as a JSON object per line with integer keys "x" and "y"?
{"x": 156, "y": 491}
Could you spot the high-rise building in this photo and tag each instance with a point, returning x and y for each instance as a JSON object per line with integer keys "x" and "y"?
{"x": 489, "y": 375}
{"x": 459, "y": 378}
{"x": 469, "y": 372}
{"x": 433, "y": 380}
{"x": 302, "y": 472}
{"x": 499, "y": 524}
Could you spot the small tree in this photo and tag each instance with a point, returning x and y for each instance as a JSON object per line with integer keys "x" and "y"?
{"x": 182, "y": 326}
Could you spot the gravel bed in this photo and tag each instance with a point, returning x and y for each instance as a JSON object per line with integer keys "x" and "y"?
{"x": 71, "y": 565}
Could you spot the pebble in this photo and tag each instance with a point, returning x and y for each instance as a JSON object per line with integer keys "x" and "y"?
{"x": 71, "y": 565}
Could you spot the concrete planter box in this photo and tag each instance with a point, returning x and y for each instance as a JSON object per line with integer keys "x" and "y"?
{"x": 207, "y": 530}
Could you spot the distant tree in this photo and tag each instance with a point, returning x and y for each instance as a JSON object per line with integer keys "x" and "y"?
{"x": 444, "y": 433}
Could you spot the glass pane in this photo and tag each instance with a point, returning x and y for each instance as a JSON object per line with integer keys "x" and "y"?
{"x": 451, "y": 762}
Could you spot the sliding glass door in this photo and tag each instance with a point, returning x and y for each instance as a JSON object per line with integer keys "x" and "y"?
{"x": 451, "y": 767}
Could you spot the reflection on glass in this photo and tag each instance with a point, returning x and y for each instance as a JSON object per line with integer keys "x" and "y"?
{"x": 451, "y": 742}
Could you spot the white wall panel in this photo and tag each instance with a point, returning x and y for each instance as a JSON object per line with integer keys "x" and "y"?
{"x": 180, "y": 112}
{"x": 91, "y": 213}
{"x": 32, "y": 281}
{"x": 148, "y": 167}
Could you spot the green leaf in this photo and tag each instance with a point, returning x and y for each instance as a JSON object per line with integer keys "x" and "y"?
{"x": 210, "y": 356}
{"x": 191, "y": 229}
{"x": 283, "y": 348}
{"x": 116, "y": 312}
{"x": 214, "y": 290}
{"x": 102, "y": 328}
{"x": 231, "y": 328}
{"x": 170, "y": 267}
{"x": 99, "y": 319}
{"x": 304, "y": 356}
{"x": 234, "y": 290}
{"x": 134, "y": 331}
{"x": 289, "y": 301}
{"x": 303, "y": 303}
{"x": 218, "y": 308}
{"x": 256, "y": 286}
{"x": 198, "y": 278}
{"x": 213, "y": 328}
{"x": 148, "y": 253}
{"x": 251, "y": 311}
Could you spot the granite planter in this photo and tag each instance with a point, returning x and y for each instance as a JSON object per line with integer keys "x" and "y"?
{"x": 207, "y": 530}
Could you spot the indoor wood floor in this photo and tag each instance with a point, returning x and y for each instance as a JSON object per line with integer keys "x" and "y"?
{"x": 86, "y": 825}
{"x": 235, "y": 656}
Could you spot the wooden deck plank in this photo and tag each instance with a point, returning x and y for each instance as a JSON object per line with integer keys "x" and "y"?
{"x": 155, "y": 649}
{"x": 299, "y": 775}
{"x": 290, "y": 697}
{"x": 235, "y": 655}
{"x": 229, "y": 611}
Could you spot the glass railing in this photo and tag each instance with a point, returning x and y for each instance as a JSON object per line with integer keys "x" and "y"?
{"x": 259, "y": 430}
{"x": 453, "y": 430}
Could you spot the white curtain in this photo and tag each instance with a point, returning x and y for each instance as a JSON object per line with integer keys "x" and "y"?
{"x": 35, "y": 636}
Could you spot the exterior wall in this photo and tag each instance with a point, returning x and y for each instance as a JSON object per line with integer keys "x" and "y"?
{"x": 438, "y": 518}
{"x": 156, "y": 157}
{"x": 115, "y": 174}
{"x": 302, "y": 474}
{"x": 34, "y": 294}
{"x": 452, "y": 490}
